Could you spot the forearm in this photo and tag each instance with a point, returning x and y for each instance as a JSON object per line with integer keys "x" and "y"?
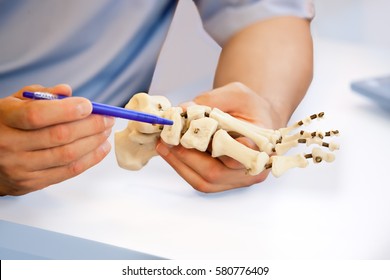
{"x": 274, "y": 58}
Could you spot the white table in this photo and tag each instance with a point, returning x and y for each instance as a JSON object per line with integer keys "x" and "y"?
{"x": 328, "y": 211}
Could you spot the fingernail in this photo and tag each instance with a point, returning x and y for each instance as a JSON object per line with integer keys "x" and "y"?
{"x": 162, "y": 149}
{"x": 105, "y": 147}
{"x": 109, "y": 121}
{"x": 107, "y": 132}
{"x": 84, "y": 108}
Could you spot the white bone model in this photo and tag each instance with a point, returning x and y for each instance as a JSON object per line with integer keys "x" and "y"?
{"x": 201, "y": 125}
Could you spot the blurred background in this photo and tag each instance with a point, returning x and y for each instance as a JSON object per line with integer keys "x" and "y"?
{"x": 189, "y": 52}
{"x": 359, "y": 21}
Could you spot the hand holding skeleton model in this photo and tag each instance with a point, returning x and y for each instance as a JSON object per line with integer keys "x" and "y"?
{"x": 205, "y": 129}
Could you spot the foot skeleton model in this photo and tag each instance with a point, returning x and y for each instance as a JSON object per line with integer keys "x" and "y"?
{"x": 201, "y": 126}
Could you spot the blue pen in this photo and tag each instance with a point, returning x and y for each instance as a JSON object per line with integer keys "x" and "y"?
{"x": 107, "y": 110}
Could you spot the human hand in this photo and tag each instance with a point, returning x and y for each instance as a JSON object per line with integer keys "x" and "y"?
{"x": 208, "y": 174}
{"x": 45, "y": 142}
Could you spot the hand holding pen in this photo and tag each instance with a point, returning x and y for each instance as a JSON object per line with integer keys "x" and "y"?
{"x": 107, "y": 110}
{"x": 46, "y": 142}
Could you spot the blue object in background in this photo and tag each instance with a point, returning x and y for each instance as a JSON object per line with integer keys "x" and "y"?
{"x": 378, "y": 89}
{"x": 20, "y": 242}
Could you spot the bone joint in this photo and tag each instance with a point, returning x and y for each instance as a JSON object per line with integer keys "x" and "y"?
{"x": 210, "y": 130}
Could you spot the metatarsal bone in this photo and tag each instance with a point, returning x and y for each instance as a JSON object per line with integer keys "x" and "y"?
{"x": 149, "y": 104}
{"x": 229, "y": 123}
{"x": 199, "y": 134}
{"x": 171, "y": 133}
{"x": 224, "y": 145}
{"x": 271, "y": 134}
{"x": 281, "y": 164}
{"x": 283, "y": 148}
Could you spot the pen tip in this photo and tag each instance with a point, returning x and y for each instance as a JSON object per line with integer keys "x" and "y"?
{"x": 167, "y": 122}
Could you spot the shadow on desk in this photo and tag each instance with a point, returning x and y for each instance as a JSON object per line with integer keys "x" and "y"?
{"x": 20, "y": 242}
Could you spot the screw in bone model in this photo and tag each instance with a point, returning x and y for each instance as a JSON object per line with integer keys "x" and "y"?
{"x": 285, "y": 130}
{"x": 331, "y": 146}
{"x": 195, "y": 112}
{"x": 144, "y": 102}
{"x": 307, "y": 134}
{"x": 318, "y": 156}
{"x": 199, "y": 134}
{"x": 332, "y": 133}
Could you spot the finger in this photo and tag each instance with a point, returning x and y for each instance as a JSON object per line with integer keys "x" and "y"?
{"x": 241, "y": 102}
{"x": 40, "y": 179}
{"x": 201, "y": 163}
{"x": 66, "y": 154}
{"x": 186, "y": 172}
{"x": 231, "y": 163}
{"x": 63, "y": 89}
{"x": 203, "y": 172}
{"x": 185, "y": 105}
{"x": 57, "y": 135}
{"x": 34, "y": 114}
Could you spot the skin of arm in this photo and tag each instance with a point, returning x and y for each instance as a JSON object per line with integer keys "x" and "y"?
{"x": 274, "y": 58}
{"x": 262, "y": 75}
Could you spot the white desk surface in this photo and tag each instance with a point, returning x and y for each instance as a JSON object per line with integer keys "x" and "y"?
{"x": 328, "y": 211}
